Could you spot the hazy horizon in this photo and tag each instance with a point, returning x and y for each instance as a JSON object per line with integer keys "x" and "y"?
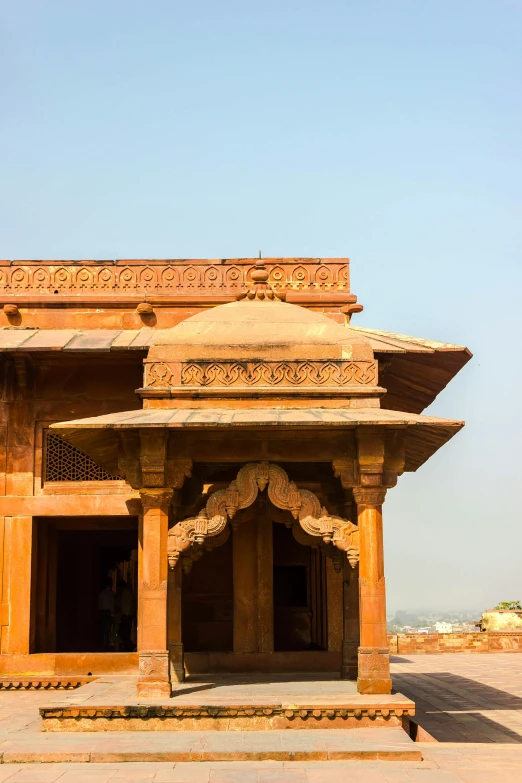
{"x": 388, "y": 132}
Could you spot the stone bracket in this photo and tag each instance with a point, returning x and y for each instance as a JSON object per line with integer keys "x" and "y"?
{"x": 283, "y": 493}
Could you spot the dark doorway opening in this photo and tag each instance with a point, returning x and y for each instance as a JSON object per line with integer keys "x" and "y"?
{"x": 300, "y": 620}
{"x": 77, "y": 560}
{"x": 208, "y": 602}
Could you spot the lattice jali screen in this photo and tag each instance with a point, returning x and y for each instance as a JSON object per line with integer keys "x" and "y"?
{"x": 64, "y": 462}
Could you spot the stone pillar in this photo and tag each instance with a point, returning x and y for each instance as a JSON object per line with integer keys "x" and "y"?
{"x": 244, "y": 553}
{"x": 174, "y": 620}
{"x": 374, "y": 659}
{"x": 265, "y": 585}
{"x": 154, "y": 673}
{"x": 334, "y": 602}
{"x": 252, "y": 554}
{"x": 351, "y": 621}
{"x": 18, "y": 540}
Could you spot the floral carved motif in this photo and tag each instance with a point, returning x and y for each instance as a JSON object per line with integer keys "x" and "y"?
{"x": 154, "y": 665}
{"x": 225, "y": 504}
{"x": 274, "y": 373}
{"x": 158, "y": 374}
{"x": 374, "y": 661}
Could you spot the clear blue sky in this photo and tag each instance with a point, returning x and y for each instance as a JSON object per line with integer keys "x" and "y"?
{"x": 387, "y": 131}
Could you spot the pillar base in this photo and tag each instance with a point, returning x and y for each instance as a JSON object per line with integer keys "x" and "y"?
{"x": 374, "y": 670}
{"x": 154, "y": 676}
{"x": 176, "y": 663}
{"x": 370, "y": 685}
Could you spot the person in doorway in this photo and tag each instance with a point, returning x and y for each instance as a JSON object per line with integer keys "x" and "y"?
{"x": 126, "y": 611}
{"x": 106, "y": 605}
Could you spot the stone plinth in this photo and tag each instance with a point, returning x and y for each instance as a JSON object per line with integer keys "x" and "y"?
{"x": 233, "y": 703}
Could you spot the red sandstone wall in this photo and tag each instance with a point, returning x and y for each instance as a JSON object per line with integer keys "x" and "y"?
{"x": 412, "y": 644}
{"x": 104, "y": 294}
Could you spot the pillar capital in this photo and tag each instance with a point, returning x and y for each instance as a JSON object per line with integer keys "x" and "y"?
{"x": 156, "y": 497}
{"x": 369, "y": 496}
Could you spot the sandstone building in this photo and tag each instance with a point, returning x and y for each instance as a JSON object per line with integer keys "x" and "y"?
{"x": 218, "y": 435}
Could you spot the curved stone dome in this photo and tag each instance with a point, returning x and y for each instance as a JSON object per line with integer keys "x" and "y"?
{"x": 257, "y": 325}
{"x": 260, "y": 347}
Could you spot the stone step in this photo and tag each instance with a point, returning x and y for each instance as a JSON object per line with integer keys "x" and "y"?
{"x": 390, "y": 743}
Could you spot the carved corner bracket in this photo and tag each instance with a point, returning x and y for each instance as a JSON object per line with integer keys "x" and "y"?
{"x": 241, "y": 493}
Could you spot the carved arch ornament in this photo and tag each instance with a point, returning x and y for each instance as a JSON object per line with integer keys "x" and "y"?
{"x": 241, "y": 493}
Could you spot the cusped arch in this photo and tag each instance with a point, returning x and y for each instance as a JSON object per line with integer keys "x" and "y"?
{"x": 84, "y": 278}
{"x": 169, "y": 277}
{"x": 147, "y": 278}
{"x": 300, "y": 277}
{"x": 226, "y": 504}
{"x": 277, "y": 277}
{"x": 212, "y": 277}
{"x": 234, "y": 277}
{"x": 191, "y": 278}
{"x": 61, "y": 277}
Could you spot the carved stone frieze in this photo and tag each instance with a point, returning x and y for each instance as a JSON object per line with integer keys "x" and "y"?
{"x": 369, "y": 496}
{"x": 296, "y": 716}
{"x": 170, "y": 277}
{"x": 304, "y": 506}
{"x": 275, "y": 373}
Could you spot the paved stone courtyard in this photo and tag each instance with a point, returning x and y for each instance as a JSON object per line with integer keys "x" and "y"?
{"x": 470, "y": 703}
{"x": 464, "y": 697}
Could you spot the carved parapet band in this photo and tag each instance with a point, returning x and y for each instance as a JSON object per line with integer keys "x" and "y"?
{"x": 283, "y": 493}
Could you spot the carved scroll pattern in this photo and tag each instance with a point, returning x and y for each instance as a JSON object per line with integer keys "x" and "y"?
{"x": 305, "y": 373}
{"x": 283, "y": 493}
